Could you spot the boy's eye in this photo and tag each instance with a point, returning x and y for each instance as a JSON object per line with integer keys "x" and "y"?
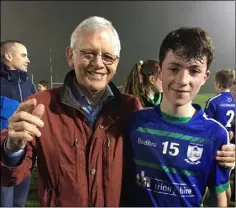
{"x": 174, "y": 69}
{"x": 194, "y": 71}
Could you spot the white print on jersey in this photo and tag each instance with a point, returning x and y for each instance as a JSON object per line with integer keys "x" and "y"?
{"x": 146, "y": 142}
{"x": 194, "y": 154}
{"x": 164, "y": 187}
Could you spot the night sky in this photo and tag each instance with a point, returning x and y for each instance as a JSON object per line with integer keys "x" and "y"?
{"x": 141, "y": 26}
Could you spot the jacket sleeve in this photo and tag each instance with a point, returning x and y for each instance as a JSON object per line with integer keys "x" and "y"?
{"x": 11, "y": 159}
{"x": 11, "y": 176}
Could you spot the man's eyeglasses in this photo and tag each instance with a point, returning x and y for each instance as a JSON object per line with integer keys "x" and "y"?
{"x": 107, "y": 58}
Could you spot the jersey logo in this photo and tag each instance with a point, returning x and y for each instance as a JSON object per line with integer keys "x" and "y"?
{"x": 194, "y": 154}
{"x": 146, "y": 143}
{"x": 229, "y": 99}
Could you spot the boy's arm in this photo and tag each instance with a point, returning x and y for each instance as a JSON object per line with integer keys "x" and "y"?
{"x": 221, "y": 199}
{"x": 218, "y": 179}
{"x": 210, "y": 109}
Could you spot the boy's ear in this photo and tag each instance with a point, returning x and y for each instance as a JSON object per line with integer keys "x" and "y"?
{"x": 159, "y": 72}
{"x": 206, "y": 76}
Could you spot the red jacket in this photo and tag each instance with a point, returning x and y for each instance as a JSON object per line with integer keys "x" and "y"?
{"x": 76, "y": 165}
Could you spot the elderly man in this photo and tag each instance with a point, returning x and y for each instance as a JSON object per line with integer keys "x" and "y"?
{"x": 15, "y": 87}
{"x": 77, "y": 130}
{"x": 79, "y": 140}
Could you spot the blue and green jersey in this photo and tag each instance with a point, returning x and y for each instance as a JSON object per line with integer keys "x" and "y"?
{"x": 174, "y": 158}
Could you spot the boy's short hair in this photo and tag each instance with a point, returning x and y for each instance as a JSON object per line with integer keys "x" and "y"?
{"x": 44, "y": 83}
{"x": 188, "y": 43}
{"x": 225, "y": 78}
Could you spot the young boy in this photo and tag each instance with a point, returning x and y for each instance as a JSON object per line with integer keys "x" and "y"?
{"x": 42, "y": 85}
{"x": 222, "y": 106}
{"x": 174, "y": 144}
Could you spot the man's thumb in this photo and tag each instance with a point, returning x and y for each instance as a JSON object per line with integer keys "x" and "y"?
{"x": 39, "y": 110}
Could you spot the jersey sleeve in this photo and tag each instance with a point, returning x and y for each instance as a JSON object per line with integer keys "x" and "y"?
{"x": 218, "y": 179}
{"x": 210, "y": 109}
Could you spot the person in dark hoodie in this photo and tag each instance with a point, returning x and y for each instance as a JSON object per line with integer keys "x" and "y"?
{"x": 15, "y": 87}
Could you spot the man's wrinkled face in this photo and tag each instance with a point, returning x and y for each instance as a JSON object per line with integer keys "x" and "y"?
{"x": 95, "y": 60}
{"x": 182, "y": 79}
{"x": 17, "y": 57}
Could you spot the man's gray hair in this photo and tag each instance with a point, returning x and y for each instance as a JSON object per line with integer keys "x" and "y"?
{"x": 95, "y": 24}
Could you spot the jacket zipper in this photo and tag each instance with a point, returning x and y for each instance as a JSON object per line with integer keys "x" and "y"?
{"x": 21, "y": 98}
{"x": 76, "y": 143}
{"x": 106, "y": 154}
{"x": 86, "y": 152}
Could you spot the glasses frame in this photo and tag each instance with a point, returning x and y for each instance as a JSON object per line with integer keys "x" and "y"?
{"x": 97, "y": 54}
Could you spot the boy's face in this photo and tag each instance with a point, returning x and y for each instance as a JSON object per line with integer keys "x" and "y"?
{"x": 182, "y": 79}
{"x": 41, "y": 87}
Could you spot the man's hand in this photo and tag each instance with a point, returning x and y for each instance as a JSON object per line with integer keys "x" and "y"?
{"x": 226, "y": 156}
{"x": 23, "y": 125}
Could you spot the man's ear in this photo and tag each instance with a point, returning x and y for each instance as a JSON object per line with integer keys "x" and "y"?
{"x": 8, "y": 56}
{"x": 69, "y": 56}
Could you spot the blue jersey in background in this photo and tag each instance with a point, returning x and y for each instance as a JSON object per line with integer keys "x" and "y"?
{"x": 173, "y": 161}
{"x": 222, "y": 108}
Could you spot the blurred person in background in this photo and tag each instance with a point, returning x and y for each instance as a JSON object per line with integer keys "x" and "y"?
{"x": 42, "y": 85}
{"x": 15, "y": 88}
{"x": 144, "y": 83}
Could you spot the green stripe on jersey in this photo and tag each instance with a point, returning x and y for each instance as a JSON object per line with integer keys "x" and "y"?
{"x": 222, "y": 188}
{"x": 163, "y": 168}
{"x": 173, "y": 135}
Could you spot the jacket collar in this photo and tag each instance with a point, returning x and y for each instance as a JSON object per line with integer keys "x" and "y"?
{"x": 12, "y": 75}
{"x": 113, "y": 107}
{"x": 80, "y": 97}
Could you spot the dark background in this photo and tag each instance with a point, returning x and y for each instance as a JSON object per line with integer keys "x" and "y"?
{"x": 141, "y": 26}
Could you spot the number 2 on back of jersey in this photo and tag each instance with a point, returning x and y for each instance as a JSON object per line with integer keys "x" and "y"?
{"x": 230, "y": 113}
